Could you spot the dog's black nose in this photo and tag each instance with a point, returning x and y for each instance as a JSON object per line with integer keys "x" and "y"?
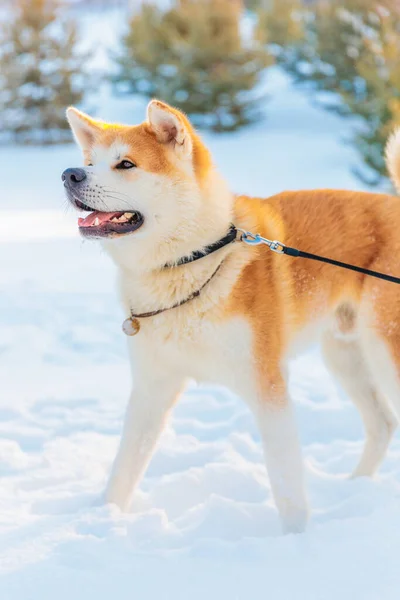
{"x": 73, "y": 176}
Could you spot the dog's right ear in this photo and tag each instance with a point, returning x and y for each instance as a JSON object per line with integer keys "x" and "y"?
{"x": 84, "y": 128}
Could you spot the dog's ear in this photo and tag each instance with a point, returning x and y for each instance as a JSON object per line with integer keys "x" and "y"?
{"x": 170, "y": 126}
{"x": 84, "y": 128}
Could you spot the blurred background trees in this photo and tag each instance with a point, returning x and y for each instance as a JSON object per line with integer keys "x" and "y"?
{"x": 350, "y": 51}
{"x": 209, "y": 58}
{"x": 41, "y": 72}
{"x": 280, "y": 22}
{"x": 195, "y": 56}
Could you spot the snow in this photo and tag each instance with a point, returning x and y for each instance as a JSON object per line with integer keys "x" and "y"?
{"x": 203, "y": 524}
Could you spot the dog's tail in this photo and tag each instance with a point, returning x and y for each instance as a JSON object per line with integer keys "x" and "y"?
{"x": 392, "y": 154}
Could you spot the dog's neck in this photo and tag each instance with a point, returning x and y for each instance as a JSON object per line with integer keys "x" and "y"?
{"x": 137, "y": 256}
{"x": 146, "y": 284}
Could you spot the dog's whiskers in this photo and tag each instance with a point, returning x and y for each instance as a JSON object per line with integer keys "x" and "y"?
{"x": 112, "y": 197}
{"x": 116, "y": 192}
{"x": 104, "y": 187}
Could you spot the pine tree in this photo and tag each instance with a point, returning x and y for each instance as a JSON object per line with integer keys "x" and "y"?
{"x": 194, "y": 56}
{"x": 40, "y": 72}
{"x": 376, "y": 98}
{"x": 351, "y": 50}
{"x": 280, "y": 21}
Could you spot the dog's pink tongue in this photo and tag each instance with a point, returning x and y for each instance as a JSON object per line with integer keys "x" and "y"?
{"x": 102, "y": 217}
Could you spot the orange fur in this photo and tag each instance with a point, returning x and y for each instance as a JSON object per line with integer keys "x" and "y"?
{"x": 146, "y": 151}
{"x": 281, "y": 295}
{"x": 260, "y": 308}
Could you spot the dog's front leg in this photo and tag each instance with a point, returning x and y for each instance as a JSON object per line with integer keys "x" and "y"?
{"x": 283, "y": 458}
{"x": 149, "y": 405}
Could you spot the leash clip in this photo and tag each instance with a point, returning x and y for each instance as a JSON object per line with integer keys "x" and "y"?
{"x": 252, "y": 239}
{"x": 256, "y": 239}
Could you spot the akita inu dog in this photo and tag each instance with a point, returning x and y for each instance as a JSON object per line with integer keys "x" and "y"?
{"x": 217, "y": 310}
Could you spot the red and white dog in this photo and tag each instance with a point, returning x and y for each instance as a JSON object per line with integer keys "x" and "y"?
{"x": 238, "y": 314}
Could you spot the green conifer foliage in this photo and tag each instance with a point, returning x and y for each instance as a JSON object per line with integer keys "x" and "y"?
{"x": 41, "y": 72}
{"x": 281, "y": 21}
{"x": 351, "y": 49}
{"x": 194, "y": 56}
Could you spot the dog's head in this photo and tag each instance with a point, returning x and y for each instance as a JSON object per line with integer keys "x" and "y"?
{"x": 151, "y": 185}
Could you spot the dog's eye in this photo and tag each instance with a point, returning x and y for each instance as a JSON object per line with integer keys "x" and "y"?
{"x": 125, "y": 164}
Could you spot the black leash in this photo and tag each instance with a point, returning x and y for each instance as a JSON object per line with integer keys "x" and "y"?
{"x": 256, "y": 239}
{"x": 131, "y": 326}
{"x": 299, "y": 253}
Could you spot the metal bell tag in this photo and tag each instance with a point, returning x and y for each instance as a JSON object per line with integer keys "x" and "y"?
{"x": 131, "y": 326}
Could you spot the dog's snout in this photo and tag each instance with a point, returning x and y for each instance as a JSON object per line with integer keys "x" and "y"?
{"x": 73, "y": 176}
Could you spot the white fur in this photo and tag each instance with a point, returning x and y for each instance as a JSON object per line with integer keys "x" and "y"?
{"x": 162, "y": 363}
{"x": 346, "y": 360}
{"x": 179, "y": 218}
{"x": 382, "y": 368}
{"x": 198, "y": 340}
{"x": 283, "y": 458}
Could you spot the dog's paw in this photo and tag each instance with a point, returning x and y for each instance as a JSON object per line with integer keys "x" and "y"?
{"x": 294, "y": 520}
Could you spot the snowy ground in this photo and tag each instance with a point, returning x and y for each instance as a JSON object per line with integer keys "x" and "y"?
{"x": 203, "y": 524}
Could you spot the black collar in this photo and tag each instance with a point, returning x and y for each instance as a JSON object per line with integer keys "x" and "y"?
{"x": 224, "y": 241}
{"x": 131, "y": 326}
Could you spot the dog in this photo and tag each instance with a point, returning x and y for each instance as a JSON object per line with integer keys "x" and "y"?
{"x": 207, "y": 306}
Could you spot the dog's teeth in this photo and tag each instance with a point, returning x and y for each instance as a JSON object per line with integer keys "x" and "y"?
{"x": 96, "y": 222}
{"x": 127, "y": 215}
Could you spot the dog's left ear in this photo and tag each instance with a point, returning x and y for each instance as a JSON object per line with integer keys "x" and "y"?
{"x": 170, "y": 127}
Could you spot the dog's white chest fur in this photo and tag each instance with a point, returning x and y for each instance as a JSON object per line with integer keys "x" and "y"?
{"x": 206, "y": 351}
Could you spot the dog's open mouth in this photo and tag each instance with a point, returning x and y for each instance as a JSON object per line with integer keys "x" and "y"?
{"x": 110, "y": 224}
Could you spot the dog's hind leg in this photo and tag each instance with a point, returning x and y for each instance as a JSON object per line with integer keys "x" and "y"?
{"x": 345, "y": 361}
